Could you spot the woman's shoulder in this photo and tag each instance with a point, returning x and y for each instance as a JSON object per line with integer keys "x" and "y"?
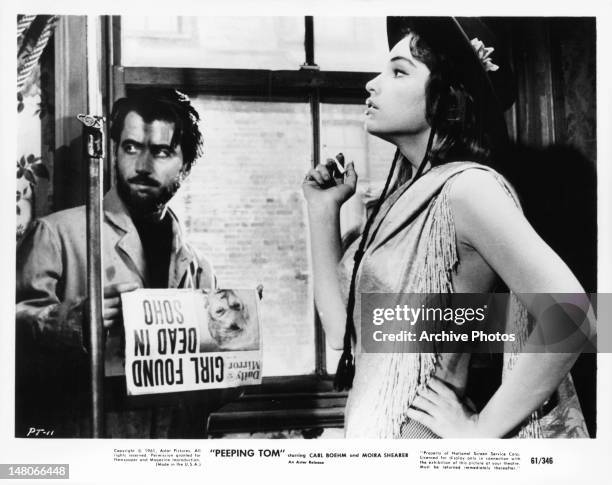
{"x": 479, "y": 184}
{"x": 469, "y": 170}
{"x": 482, "y": 198}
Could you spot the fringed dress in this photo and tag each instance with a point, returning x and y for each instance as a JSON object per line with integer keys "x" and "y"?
{"x": 412, "y": 249}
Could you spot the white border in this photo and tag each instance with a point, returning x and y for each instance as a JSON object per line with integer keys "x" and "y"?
{"x": 91, "y": 460}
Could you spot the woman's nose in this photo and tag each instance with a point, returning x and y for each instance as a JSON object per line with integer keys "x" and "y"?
{"x": 234, "y": 302}
{"x": 372, "y": 84}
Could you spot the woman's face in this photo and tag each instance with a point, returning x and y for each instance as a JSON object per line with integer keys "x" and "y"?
{"x": 397, "y": 103}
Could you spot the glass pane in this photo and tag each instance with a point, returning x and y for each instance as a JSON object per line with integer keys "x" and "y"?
{"x": 350, "y": 43}
{"x": 215, "y": 42}
{"x": 243, "y": 208}
{"x": 342, "y": 131}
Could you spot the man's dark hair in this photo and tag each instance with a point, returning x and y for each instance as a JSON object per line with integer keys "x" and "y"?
{"x": 167, "y": 105}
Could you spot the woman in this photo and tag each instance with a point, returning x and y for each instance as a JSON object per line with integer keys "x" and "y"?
{"x": 446, "y": 222}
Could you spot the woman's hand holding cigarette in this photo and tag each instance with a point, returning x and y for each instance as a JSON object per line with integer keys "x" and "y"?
{"x": 330, "y": 184}
{"x": 325, "y": 191}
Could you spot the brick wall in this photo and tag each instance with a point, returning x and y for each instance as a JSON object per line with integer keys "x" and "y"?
{"x": 243, "y": 208}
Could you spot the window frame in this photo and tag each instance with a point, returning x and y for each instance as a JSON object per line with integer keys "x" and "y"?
{"x": 280, "y": 402}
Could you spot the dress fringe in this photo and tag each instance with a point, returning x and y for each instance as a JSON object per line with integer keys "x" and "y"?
{"x": 410, "y": 371}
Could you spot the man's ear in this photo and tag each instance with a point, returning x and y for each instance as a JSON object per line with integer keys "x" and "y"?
{"x": 180, "y": 177}
{"x": 183, "y": 173}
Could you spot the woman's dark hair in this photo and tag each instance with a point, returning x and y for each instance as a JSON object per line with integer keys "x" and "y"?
{"x": 167, "y": 105}
{"x": 457, "y": 115}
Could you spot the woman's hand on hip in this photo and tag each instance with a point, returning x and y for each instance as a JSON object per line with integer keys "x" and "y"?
{"x": 322, "y": 189}
{"x": 438, "y": 408}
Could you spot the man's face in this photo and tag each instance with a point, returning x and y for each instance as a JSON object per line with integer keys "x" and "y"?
{"x": 149, "y": 169}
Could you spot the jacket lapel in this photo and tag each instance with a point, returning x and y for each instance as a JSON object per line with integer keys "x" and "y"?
{"x": 129, "y": 242}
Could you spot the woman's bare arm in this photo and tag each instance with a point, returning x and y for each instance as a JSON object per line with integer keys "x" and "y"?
{"x": 326, "y": 249}
{"x": 489, "y": 221}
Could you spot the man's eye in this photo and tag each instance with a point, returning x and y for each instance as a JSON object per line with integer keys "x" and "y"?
{"x": 130, "y": 148}
{"x": 163, "y": 154}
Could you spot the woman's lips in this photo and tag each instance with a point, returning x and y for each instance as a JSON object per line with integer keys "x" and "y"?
{"x": 370, "y": 106}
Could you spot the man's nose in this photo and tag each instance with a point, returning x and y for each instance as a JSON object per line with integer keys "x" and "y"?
{"x": 372, "y": 84}
{"x": 144, "y": 162}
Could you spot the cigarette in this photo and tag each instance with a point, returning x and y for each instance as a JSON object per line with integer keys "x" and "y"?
{"x": 336, "y": 165}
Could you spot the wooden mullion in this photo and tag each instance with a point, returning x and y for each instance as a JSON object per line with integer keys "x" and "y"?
{"x": 257, "y": 81}
{"x": 309, "y": 41}
{"x": 116, "y": 36}
{"x": 315, "y": 113}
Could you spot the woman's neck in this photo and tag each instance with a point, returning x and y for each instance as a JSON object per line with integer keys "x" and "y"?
{"x": 413, "y": 147}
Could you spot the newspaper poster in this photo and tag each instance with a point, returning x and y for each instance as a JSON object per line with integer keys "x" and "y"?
{"x": 185, "y": 340}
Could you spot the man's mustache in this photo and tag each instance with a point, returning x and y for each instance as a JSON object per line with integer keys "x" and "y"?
{"x": 143, "y": 180}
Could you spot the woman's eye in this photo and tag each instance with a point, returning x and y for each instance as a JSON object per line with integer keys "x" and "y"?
{"x": 398, "y": 73}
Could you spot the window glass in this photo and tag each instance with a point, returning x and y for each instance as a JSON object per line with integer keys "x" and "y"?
{"x": 242, "y": 208}
{"x": 213, "y": 42}
{"x": 350, "y": 43}
{"x": 342, "y": 131}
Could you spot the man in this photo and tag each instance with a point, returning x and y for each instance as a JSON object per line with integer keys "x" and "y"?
{"x": 157, "y": 140}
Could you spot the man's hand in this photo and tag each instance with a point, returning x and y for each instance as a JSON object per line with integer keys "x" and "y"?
{"x": 112, "y": 302}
